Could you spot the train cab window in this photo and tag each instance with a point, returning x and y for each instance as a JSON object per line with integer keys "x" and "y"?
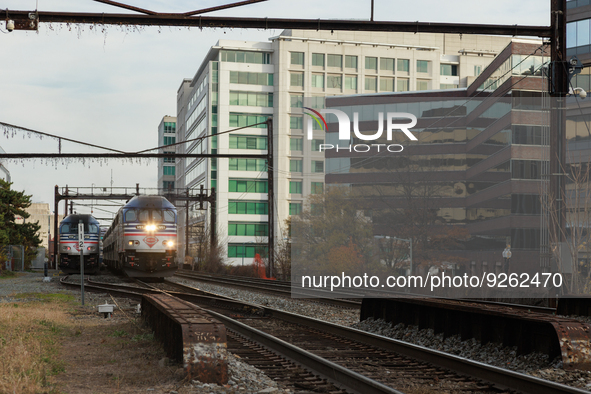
{"x": 130, "y": 216}
{"x": 168, "y": 216}
{"x": 65, "y": 229}
{"x": 93, "y": 229}
{"x": 144, "y": 215}
{"x": 157, "y": 215}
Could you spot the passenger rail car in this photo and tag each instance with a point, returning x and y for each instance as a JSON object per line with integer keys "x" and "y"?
{"x": 141, "y": 241}
{"x": 69, "y": 250}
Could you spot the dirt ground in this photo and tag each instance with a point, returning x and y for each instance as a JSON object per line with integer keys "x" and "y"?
{"x": 116, "y": 355}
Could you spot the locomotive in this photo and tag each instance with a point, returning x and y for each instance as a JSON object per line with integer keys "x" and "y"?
{"x": 141, "y": 241}
{"x": 69, "y": 249}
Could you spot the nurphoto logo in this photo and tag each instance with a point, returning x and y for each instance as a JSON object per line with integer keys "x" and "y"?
{"x": 345, "y": 129}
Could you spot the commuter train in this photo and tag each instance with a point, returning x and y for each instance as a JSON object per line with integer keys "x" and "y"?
{"x": 141, "y": 241}
{"x": 69, "y": 247}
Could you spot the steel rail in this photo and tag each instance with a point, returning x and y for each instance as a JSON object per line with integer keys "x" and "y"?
{"x": 502, "y": 378}
{"x": 337, "y": 374}
{"x": 277, "y": 23}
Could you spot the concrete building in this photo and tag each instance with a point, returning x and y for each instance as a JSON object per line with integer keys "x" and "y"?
{"x": 4, "y": 173}
{"x": 40, "y": 212}
{"x": 166, "y": 166}
{"x": 243, "y": 83}
{"x": 478, "y": 164}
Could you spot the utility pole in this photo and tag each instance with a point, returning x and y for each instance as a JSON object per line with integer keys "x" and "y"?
{"x": 559, "y": 88}
{"x": 270, "y": 197}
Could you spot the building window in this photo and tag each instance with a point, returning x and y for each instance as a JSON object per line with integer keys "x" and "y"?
{"x": 245, "y": 57}
{"x": 296, "y": 79}
{"x": 371, "y": 63}
{"x": 448, "y": 69}
{"x": 247, "y": 250}
{"x": 243, "y": 120}
{"x": 351, "y": 82}
{"x": 295, "y": 208}
{"x": 318, "y": 81}
{"x": 371, "y": 84}
{"x": 248, "y": 207}
{"x": 247, "y": 165}
{"x": 527, "y": 135}
{"x": 317, "y": 188}
{"x": 386, "y": 84}
{"x": 403, "y": 65}
{"x": 248, "y": 142}
{"x": 402, "y": 85}
{"x": 334, "y": 81}
{"x": 444, "y": 86}
{"x": 297, "y": 58}
{"x": 422, "y": 84}
{"x": 168, "y": 185}
{"x": 526, "y": 169}
{"x": 296, "y": 144}
{"x": 315, "y": 144}
{"x": 247, "y": 186}
{"x": 423, "y": 66}
{"x": 296, "y": 100}
{"x": 252, "y": 99}
{"x": 334, "y": 61}
{"x": 249, "y": 78}
{"x": 295, "y": 187}
{"x": 386, "y": 64}
{"x": 317, "y": 166}
{"x": 477, "y": 70}
{"x": 248, "y": 229}
{"x": 169, "y": 140}
{"x": 318, "y": 59}
{"x": 169, "y": 127}
{"x": 351, "y": 61}
{"x": 295, "y": 165}
{"x": 169, "y": 160}
{"x": 296, "y": 122}
{"x": 168, "y": 170}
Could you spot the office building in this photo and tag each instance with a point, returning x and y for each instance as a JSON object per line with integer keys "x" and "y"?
{"x": 242, "y": 83}
{"x": 166, "y": 165}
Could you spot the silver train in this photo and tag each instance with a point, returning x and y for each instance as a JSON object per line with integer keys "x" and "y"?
{"x": 141, "y": 241}
{"x": 69, "y": 249}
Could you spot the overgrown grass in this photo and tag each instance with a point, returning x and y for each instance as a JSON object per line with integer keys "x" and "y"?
{"x": 5, "y": 274}
{"x": 46, "y": 297}
{"x": 29, "y": 342}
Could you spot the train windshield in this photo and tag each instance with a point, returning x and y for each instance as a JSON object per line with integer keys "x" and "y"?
{"x": 72, "y": 228}
{"x": 150, "y": 215}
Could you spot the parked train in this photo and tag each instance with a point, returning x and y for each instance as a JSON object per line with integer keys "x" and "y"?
{"x": 69, "y": 249}
{"x": 141, "y": 241}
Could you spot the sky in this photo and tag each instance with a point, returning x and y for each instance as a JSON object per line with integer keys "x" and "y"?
{"x": 112, "y": 87}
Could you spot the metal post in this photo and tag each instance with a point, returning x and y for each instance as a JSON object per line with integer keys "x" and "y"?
{"x": 81, "y": 245}
{"x": 22, "y": 258}
{"x": 559, "y": 82}
{"x": 410, "y": 255}
{"x": 55, "y": 219}
{"x": 48, "y": 243}
{"x": 212, "y": 206}
{"x": 187, "y": 226}
{"x": 270, "y": 196}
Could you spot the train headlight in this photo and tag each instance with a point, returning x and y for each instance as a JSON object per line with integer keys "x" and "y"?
{"x": 170, "y": 244}
{"x": 130, "y": 243}
{"x": 151, "y": 227}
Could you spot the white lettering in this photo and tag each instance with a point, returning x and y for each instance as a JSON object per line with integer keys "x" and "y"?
{"x": 402, "y": 126}
{"x": 360, "y": 145}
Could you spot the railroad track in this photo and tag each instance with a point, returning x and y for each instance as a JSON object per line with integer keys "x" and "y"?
{"x": 354, "y": 360}
{"x": 281, "y": 289}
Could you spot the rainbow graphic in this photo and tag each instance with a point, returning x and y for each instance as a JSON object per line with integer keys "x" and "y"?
{"x": 316, "y": 118}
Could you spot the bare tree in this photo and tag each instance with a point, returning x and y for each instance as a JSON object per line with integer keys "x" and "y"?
{"x": 576, "y": 199}
{"x": 207, "y": 256}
